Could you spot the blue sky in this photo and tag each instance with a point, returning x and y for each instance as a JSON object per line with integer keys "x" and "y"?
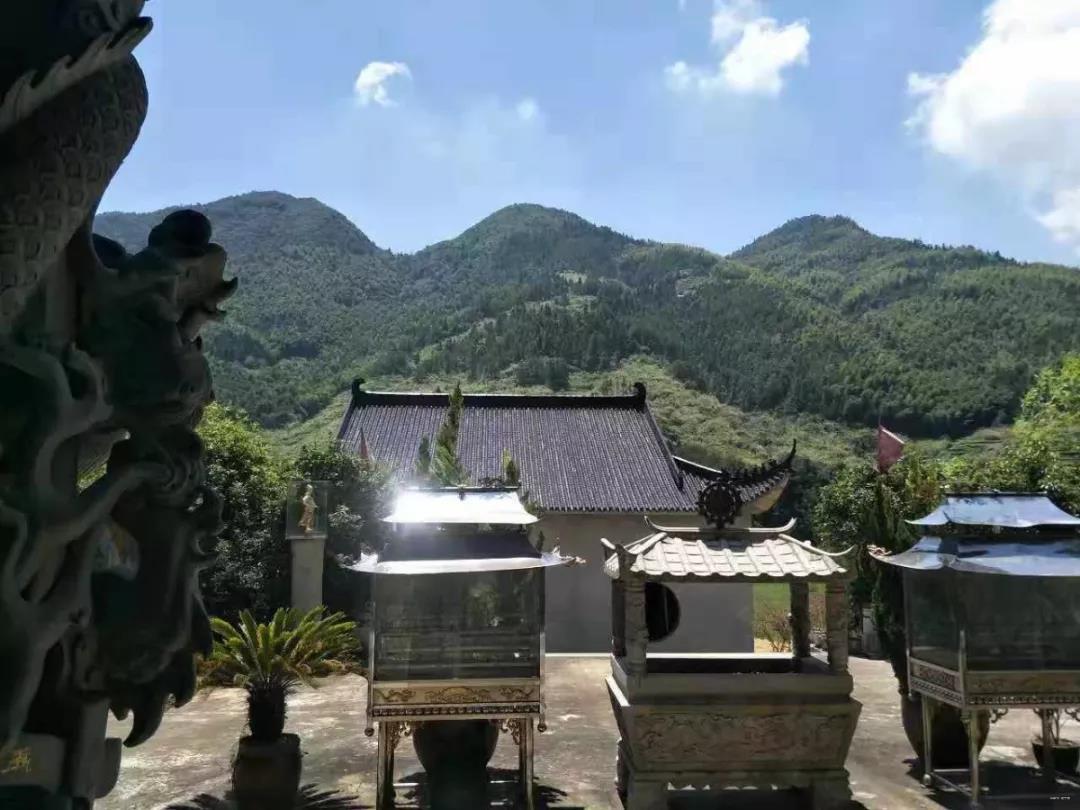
{"x": 707, "y": 122}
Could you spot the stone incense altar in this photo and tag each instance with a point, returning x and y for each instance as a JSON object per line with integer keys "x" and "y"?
{"x": 104, "y": 512}
{"x": 727, "y": 720}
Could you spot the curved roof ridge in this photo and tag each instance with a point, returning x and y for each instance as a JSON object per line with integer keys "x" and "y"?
{"x": 635, "y": 399}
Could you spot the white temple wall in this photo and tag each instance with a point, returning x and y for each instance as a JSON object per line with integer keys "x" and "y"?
{"x": 714, "y": 618}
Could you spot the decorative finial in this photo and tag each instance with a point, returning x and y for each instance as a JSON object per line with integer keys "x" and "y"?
{"x": 357, "y": 388}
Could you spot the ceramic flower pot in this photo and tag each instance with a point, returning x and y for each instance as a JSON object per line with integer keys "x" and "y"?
{"x": 1066, "y": 754}
{"x": 455, "y": 745}
{"x": 266, "y": 775}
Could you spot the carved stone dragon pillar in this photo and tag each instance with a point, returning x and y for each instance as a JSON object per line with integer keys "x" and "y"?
{"x": 104, "y": 512}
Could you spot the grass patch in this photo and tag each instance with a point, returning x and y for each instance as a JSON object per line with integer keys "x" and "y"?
{"x": 774, "y": 594}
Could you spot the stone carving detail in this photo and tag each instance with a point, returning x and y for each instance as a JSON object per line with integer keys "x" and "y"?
{"x": 713, "y": 737}
{"x": 395, "y": 695}
{"x": 516, "y": 727}
{"x": 635, "y": 629}
{"x": 938, "y": 677}
{"x": 474, "y": 694}
{"x": 730, "y": 490}
{"x": 101, "y": 373}
{"x": 465, "y": 709}
{"x": 1018, "y": 683}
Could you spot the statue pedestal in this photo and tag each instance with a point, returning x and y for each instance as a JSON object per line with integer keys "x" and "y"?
{"x": 307, "y": 572}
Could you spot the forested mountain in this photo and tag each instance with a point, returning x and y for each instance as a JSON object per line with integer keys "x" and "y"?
{"x": 819, "y": 316}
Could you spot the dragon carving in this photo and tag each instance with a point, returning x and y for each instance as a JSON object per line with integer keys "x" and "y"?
{"x": 101, "y": 373}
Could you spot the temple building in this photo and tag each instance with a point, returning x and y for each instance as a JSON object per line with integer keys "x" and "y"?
{"x": 592, "y": 467}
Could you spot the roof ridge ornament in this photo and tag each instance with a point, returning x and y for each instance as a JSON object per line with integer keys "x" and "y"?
{"x": 721, "y": 500}
{"x": 731, "y": 530}
{"x": 357, "y": 388}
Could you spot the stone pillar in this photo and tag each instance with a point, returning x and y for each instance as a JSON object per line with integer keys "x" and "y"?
{"x": 800, "y": 619}
{"x": 307, "y": 572}
{"x": 618, "y": 619}
{"x": 635, "y": 629}
{"x": 836, "y": 626}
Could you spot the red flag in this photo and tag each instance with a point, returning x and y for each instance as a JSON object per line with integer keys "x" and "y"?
{"x": 890, "y": 448}
{"x": 363, "y": 445}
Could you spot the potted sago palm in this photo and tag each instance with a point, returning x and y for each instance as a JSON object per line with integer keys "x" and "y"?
{"x": 270, "y": 661}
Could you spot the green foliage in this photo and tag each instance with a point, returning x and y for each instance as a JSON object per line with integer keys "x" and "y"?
{"x": 1043, "y": 450}
{"x": 865, "y": 509}
{"x": 360, "y": 492}
{"x": 270, "y": 660}
{"x": 360, "y": 496}
{"x": 511, "y": 476}
{"x": 252, "y": 570}
{"x": 445, "y": 466}
{"x": 817, "y": 317}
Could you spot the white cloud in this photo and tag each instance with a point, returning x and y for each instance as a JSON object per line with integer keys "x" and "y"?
{"x": 754, "y": 50}
{"x": 528, "y": 109}
{"x": 1012, "y": 107}
{"x": 371, "y": 82}
{"x": 422, "y": 171}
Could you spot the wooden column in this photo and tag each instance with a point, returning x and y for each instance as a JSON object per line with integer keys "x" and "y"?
{"x": 836, "y": 626}
{"x": 800, "y": 619}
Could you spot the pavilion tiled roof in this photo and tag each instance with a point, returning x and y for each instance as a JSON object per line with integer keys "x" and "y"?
{"x": 574, "y": 453}
{"x": 746, "y": 555}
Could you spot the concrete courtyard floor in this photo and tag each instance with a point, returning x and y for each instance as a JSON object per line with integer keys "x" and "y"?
{"x": 574, "y": 760}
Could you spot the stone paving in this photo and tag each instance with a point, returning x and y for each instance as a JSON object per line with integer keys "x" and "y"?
{"x": 574, "y": 761}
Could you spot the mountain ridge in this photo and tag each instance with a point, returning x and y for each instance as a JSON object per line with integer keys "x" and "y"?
{"x": 818, "y": 315}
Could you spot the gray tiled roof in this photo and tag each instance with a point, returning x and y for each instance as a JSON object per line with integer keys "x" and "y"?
{"x": 713, "y": 555}
{"x": 574, "y": 453}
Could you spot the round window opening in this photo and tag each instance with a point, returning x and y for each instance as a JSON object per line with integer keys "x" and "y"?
{"x": 661, "y": 611}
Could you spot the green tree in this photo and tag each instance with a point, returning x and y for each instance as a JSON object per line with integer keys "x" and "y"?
{"x": 865, "y": 509}
{"x": 558, "y": 374}
{"x": 511, "y": 476}
{"x": 1043, "y": 450}
{"x": 446, "y": 467}
{"x": 252, "y": 570}
{"x": 359, "y": 495}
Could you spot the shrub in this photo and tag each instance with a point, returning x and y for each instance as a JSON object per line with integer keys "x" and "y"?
{"x": 772, "y": 624}
{"x": 271, "y": 660}
{"x": 252, "y": 570}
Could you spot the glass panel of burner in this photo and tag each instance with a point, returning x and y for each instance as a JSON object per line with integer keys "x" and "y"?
{"x": 450, "y": 626}
{"x": 1019, "y": 622}
{"x": 932, "y": 617}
